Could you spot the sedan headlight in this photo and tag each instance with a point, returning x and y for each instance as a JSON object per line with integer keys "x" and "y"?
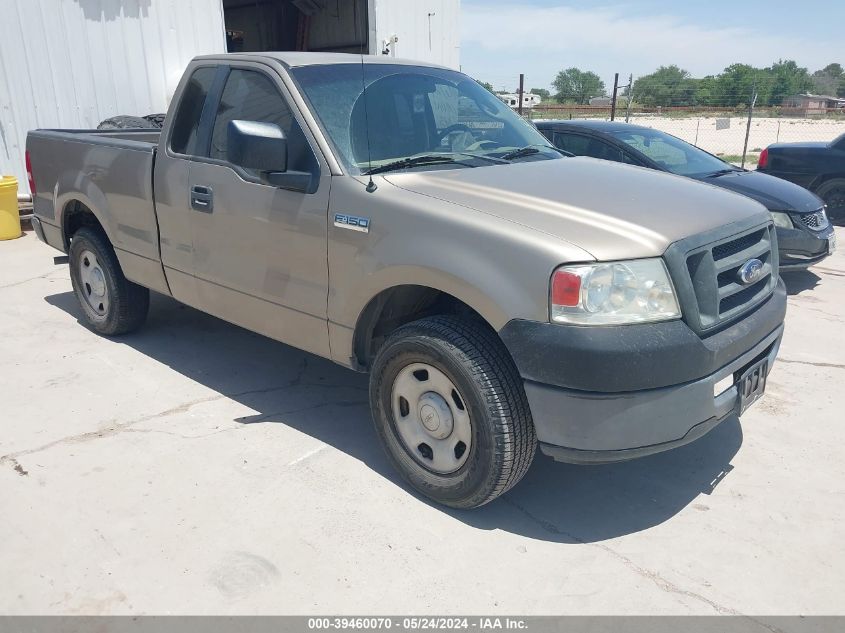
{"x": 635, "y": 291}
{"x": 782, "y": 219}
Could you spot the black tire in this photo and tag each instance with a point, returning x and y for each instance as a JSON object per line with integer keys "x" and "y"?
{"x": 833, "y": 193}
{"x": 503, "y": 437}
{"x": 127, "y": 303}
{"x": 156, "y": 119}
{"x": 126, "y": 122}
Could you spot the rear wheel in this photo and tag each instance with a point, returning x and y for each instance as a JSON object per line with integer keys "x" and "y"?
{"x": 451, "y": 412}
{"x": 833, "y": 194}
{"x": 110, "y": 303}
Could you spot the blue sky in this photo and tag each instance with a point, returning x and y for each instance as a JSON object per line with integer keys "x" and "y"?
{"x": 501, "y": 38}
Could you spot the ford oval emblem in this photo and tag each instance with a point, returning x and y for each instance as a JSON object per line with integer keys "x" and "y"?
{"x": 750, "y": 272}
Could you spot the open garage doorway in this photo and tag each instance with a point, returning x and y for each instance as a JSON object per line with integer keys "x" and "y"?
{"x": 339, "y": 26}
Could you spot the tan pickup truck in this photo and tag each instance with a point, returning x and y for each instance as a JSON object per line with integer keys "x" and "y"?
{"x": 399, "y": 219}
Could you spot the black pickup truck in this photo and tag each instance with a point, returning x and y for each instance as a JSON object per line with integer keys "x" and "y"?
{"x": 820, "y": 167}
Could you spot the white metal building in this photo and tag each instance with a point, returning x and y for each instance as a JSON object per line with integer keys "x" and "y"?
{"x": 74, "y": 63}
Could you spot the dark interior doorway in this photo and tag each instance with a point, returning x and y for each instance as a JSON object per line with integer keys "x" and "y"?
{"x": 296, "y": 25}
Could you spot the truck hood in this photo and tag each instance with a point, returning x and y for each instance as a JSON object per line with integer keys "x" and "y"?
{"x": 611, "y": 210}
{"x": 775, "y": 194}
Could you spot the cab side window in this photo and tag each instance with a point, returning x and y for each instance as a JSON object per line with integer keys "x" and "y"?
{"x": 251, "y": 96}
{"x": 183, "y": 138}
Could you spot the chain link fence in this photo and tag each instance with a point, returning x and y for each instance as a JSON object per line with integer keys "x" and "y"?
{"x": 719, "y": 131}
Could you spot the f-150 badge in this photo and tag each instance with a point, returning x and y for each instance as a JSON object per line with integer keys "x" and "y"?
{"x": 352, "y": 222}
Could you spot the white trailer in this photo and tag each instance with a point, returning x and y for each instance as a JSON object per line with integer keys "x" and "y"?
{"x": 74, "y": 63}
{"x": 529, "y": 99}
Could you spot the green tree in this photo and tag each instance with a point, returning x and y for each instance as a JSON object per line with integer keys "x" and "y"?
{"x": 485, "y": 84}
{"x": 667, "y": 86}
{"x": 827, "y": 80}
{"x": 544, "y": 94}
{"x": 786, "y": 78}
{"x": 707, "y": 92}
{"x": 833, "y": 69}
{"x": 737, "y": 83}
{"x": 574, "y": 84}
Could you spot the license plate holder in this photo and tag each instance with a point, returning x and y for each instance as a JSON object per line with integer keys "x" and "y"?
{"x": 752, "y": 384}
{"x": 831, "y": 244}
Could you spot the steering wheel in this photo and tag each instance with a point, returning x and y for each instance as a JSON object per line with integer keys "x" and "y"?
{"x": 455, "y": 127}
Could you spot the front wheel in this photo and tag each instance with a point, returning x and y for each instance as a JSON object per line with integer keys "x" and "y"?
{"x": 451, "y": 412}
{"x": 110, "y": 302}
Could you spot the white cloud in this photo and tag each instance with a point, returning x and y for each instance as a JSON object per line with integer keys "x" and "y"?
{"x": 615, "y": 40}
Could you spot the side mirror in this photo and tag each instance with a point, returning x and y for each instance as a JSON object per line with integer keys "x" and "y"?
{"x": 256, "y": 145}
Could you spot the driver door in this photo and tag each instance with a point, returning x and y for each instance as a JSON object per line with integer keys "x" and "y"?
{"x": 259, "y": 251}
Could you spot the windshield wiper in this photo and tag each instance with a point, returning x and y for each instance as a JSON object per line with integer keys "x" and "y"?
{"x": 412, "y": 161}
{"x": 722, "y": 172}
{"x": 519, "y": 153}
{"x": 492, "y": 159}
{"x": 528, "y": 150}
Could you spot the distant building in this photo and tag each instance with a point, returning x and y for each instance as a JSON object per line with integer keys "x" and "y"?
{"x": 808, "y": 105}
{"x": 529, "y": 99}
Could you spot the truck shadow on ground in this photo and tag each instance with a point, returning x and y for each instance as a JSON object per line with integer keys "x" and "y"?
{"x": 799, "y": 280}
{"x": 555, "y": 502}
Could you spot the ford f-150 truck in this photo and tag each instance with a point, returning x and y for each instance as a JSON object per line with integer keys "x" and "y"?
{"x": 399, "y": 219}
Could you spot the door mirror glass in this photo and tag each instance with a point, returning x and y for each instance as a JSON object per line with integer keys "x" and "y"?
{"x": 258, "y": 146}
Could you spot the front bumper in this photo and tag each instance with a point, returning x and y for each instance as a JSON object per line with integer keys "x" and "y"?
{"x": 614, "y": 393}
{"x": 800, "y": 248}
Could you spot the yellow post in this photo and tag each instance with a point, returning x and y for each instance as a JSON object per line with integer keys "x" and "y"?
{"x": 10, "y": 218}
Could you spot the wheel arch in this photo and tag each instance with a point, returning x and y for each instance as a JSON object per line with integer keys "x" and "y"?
{"x": 74, "y": 215}
{"x": 78, "y": 203}
{"x": 397, "y": 305}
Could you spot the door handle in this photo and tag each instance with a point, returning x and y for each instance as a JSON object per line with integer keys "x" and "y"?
{"x": 202, "y": 199}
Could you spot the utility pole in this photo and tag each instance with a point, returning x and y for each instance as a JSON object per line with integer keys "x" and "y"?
{"x": 630, "y": 98}
{"x": 521, "y": 90}
{"x": 613, "y": 98}
{"x": 429, "y": 29}
{"x": 748, "y": 125}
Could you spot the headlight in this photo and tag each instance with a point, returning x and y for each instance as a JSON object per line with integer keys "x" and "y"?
{"x": 782, "y": 219}
{"x": 612, "y": 293}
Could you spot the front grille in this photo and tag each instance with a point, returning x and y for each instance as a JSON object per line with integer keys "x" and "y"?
{"x": 814, "y": 221}
{"x": 720, "y": 251}
{"x": 714, "y": 272}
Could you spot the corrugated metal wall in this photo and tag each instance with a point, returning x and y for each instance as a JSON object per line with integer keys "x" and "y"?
{"x": 73, "y": 63}
{"x": 409, "y": 20}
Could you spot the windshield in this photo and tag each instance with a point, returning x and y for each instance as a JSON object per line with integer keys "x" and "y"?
{"x": 413, "y": 111}
{"x": 672, "y": 153}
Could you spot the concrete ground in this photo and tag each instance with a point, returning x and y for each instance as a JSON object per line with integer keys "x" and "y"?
{"x": 194, "y": 467}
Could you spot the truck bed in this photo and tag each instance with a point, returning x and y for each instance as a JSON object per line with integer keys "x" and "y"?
{"x": 111, "y": 173}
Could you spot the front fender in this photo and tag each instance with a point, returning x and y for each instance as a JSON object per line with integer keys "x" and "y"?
{"x": 498, "y": 268}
